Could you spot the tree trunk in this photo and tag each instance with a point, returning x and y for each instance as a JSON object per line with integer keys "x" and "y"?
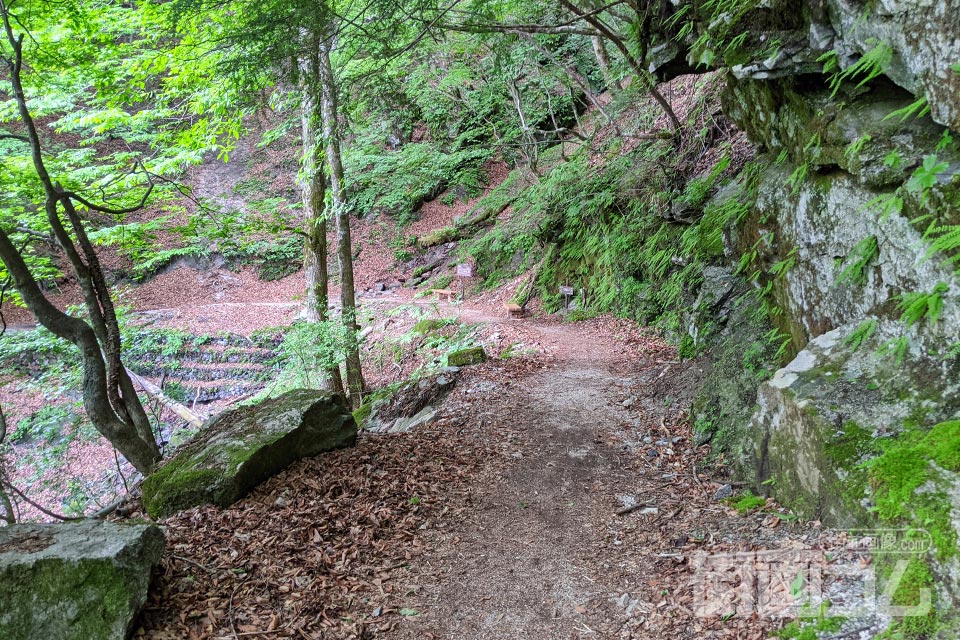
{"x": 606, "y": 69}
{"x": 108, "y": 394}
{"x": 574, "y": 75}
{"x": 348, "y": 302}
{"x": 142, "y": 453}
{"x": 636, "y": 65}
{"x": 312, "y": 193}
{"x": 8, "y": 515}
{"x": 530, "y": 148}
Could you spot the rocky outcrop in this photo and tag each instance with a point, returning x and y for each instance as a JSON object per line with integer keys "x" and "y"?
{"x": 75, "y": 581}
{"x": 859, "y": 437}
{"x": 414, "y": 404}
{"x": 846, "y": 260}
{"x": 914, "y": 40}
{"x": 821, "y": 417}
{"x": 240, "y": 448}
{"x": 922, "y": 39}
{"x": 856, "y": 180}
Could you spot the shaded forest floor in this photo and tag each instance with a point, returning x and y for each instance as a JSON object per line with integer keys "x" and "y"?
{"x": 556, "y": 495}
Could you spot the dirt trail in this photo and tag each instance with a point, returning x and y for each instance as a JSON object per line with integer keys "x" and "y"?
{"x": 544, "y": 553}
{"x": 520, "y": 570}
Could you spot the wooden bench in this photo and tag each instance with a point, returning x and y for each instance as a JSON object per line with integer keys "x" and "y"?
{"x": 513, "y": 310}
{"x": 444, "y": 293}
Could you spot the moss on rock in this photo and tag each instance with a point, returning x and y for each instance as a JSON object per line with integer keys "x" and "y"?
{"x": 75, "y": 581}
{"x": 241, "y": 448}
{"x": 465, "y": 357}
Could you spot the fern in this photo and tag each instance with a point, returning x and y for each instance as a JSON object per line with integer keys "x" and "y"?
{"x": 916, "y": 306}
{"x": 916, "y": 109}
{"x": 780, "y": 268}
{"x": 896, "y": 347}
{"x": 855, "y": 271}
{"x": 946, "y": 240}
{"x": 886, "y": 205}
{"x": 798, "y": 177}
{"x": 870, "y": 65}
{"x": 856, "y": 147}
{"x": 777, "y": 338}
{"x": 953, "y": 352}
{"x": 861, "y": 334}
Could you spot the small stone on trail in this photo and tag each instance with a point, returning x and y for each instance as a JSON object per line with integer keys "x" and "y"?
{"x": 648, "y": 440}
{"x": 726, "y": 491}
{"x": 628, "y": 402}
{"x": 652, "y": 453}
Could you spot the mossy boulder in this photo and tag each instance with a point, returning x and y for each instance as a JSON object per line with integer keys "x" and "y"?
{"x": 85, "y": 580}
{"x": 824, "y": 415}
{"x": 465, "y": 357}
{"x": 861, "y": 437}
{"x": 239, "y": 449}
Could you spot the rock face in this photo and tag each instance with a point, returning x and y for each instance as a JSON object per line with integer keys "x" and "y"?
{"x": 75, "y": 581}
{"x": 922, "y": 38}
{"x": 827, "y": 229}
{"x": 917, "y": 39}
{"x": 860, "y": 439}
{"x": 856, "y": 115}
{"x": 239, "y": 449}
{"x": 821, "y": 417}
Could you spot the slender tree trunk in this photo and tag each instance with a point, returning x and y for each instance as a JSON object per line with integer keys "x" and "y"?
{"x": 606, "y": 69}
{"x": 348, "y": 302}
{"x": 573, "y": 74}
{"x": 109, "y": 397}
{"x": 312, "y": 193}
{"x": 635, "y": 65}
{"x": 530, "y": 148}
{"x": 8, "y": 515}
{"x": 142, "y": 453}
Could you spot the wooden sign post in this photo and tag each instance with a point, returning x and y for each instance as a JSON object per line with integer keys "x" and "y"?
{"x": 566, "y": 292}
{"x": 464, "y": 271}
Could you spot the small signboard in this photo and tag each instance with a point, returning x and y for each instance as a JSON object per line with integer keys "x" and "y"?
{"x": 465, "y": 270}
{"x": 566, "y": 291}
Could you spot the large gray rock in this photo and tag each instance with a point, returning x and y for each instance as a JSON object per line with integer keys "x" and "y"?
{"x": 239, "y": 449}
{"x": 919, "y": 37}
{"x": 82, "y": 581}
{"x": 924, "y": 42}
{"x": 829, "y": 417}
{"x": 818, "y": 227}
{"x": 414, "y": 404}
{"x": 851, "y": 130}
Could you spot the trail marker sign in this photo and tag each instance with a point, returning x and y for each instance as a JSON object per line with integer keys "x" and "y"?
{"x": 465, "y": 270}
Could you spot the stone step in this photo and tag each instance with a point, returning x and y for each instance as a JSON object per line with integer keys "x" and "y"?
{"x": 204, "y": 391}
{"x": 195, "y": 371}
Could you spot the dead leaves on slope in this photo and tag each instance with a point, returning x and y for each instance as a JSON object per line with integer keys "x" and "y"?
{"x": 327, "y": 549}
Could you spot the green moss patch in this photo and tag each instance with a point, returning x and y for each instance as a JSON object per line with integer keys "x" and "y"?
{"x": 906, "y": 465}
{"x": 465, "y": 357}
